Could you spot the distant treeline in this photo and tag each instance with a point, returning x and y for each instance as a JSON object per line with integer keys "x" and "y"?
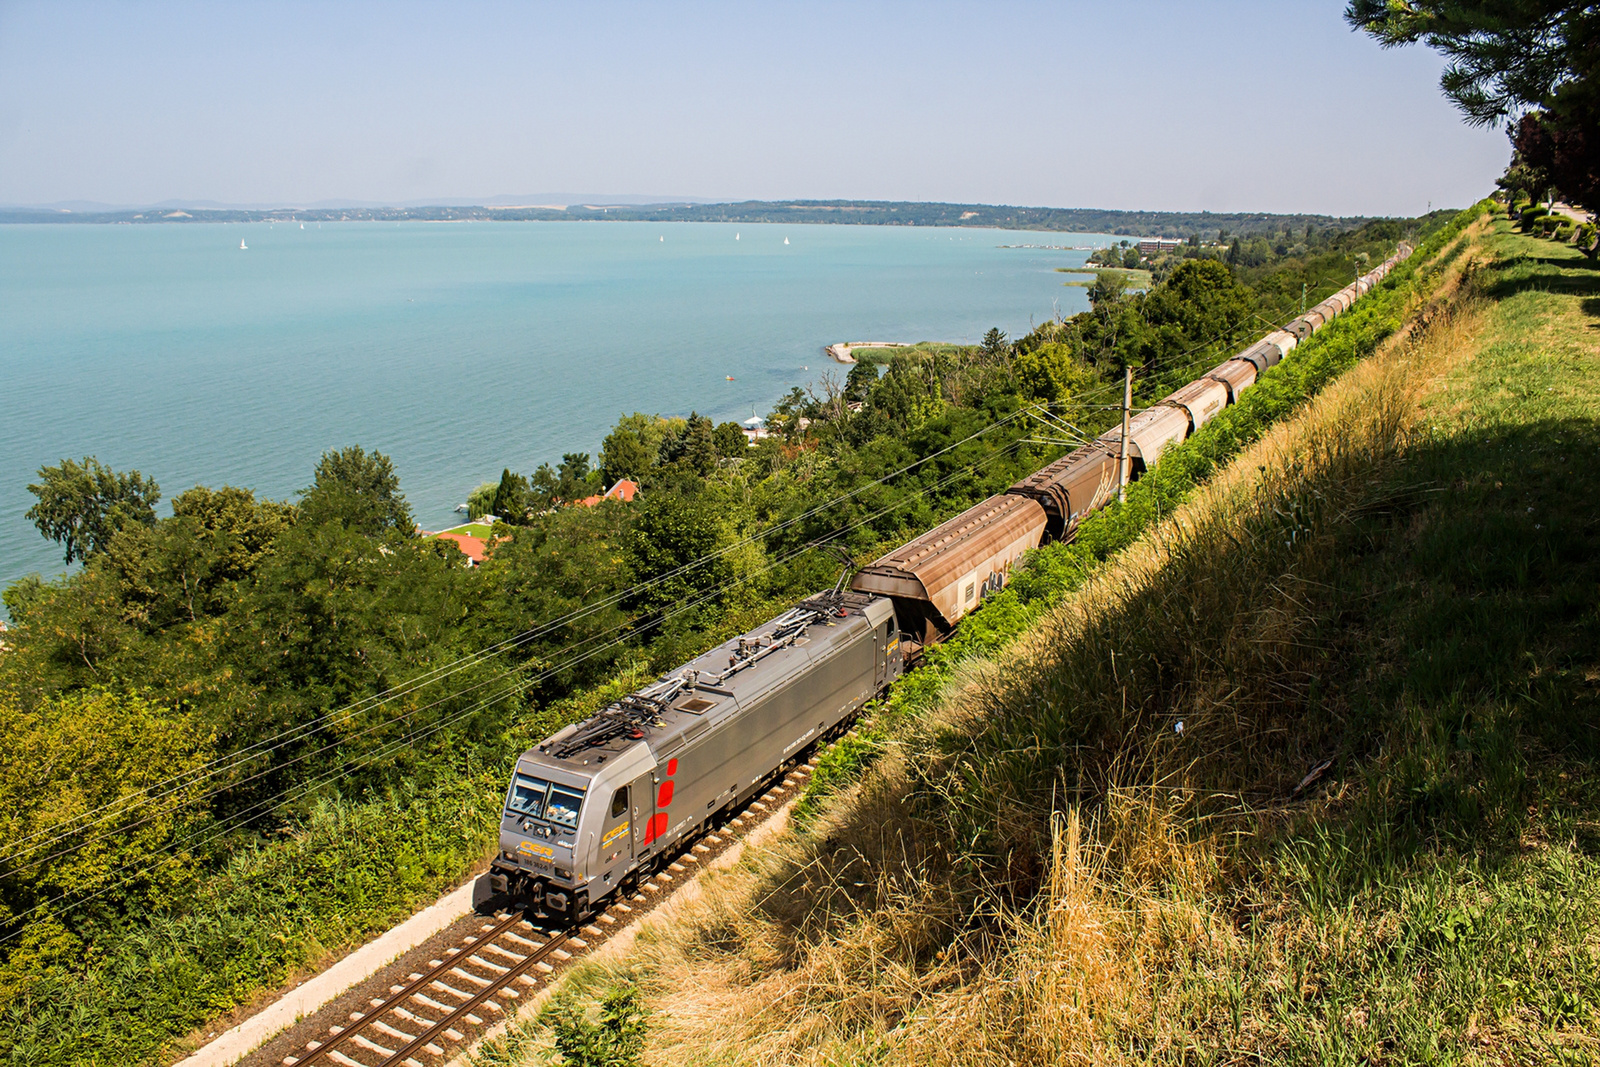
{"x": 859, "y": 212}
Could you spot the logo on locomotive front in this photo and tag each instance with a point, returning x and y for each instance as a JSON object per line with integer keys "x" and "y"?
{"x": 534, "y": 851}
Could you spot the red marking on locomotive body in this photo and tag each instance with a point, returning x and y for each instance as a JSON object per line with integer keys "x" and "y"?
{"x": 672, "y": 765}
{"x": 664, "y": 795}
{"x": 658, "y": 826}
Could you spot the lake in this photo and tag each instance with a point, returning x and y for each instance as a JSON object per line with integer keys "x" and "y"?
{"x": 456, "y": 348}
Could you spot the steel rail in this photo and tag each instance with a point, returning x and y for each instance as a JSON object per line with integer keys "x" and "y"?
{"x": 450, "y": 961}
{"x": 427, "y": 1037}
{"x": 365, "y": 1040}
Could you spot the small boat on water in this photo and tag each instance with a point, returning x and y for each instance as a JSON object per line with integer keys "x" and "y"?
{"x": 730, "y": 377}
{"x": 242, "y": 246}
{"x": 735, "y": 237}
{"x": 785, "y": 240}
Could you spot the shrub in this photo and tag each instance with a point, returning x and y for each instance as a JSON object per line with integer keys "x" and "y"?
{"x": 616, "y": 1039}
{"x": 1531, "y": 217}
{"x": 1564, "y": 231}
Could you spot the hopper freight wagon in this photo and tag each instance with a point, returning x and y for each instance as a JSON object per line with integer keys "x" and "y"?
{"x": 939, "y": 577}
{"x": 605, "y": 801}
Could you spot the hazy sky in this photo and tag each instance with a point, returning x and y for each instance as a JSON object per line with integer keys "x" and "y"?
{"x": 1270, "y": 105}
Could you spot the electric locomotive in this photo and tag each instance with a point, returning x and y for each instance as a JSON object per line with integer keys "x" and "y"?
{"x": 603, "y": 801}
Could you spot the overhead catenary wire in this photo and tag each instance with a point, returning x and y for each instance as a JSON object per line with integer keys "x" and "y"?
{"x": 523, "y": 684}
{"x": 236, "y": 759}
{"x": 413, "y": 684}
{"x": 233, "y": 760}
{"x": 79, "y": 828}
{"x": 239, "y": 819}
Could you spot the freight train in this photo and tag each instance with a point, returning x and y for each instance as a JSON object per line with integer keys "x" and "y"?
{"x": 605, "y": 801}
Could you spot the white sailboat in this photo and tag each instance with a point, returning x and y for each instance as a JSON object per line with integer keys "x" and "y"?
{"x": 735, "y": 237}
{"x": 242, "y": 246}
{"x": 785, "y": 240}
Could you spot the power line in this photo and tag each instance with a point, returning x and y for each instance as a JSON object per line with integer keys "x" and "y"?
{"x": 240, "y": 819}
{"x": 267, "y": 745}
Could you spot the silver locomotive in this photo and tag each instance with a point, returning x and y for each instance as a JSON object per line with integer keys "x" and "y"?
{"x": 606, "y": 800}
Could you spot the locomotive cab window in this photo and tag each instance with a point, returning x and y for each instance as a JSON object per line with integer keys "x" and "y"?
{"x": 619, "y": 802}
{"x": 562, "y": 808}
{"x": 528, "y": 795}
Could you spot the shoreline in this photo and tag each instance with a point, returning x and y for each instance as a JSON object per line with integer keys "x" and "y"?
{"x": 841, "y": 350}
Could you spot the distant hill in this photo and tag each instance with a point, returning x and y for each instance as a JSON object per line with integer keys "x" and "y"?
{"x": 859, "y": 212}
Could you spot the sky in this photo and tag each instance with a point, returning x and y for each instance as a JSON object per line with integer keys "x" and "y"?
{"x": 1222, "y": 105}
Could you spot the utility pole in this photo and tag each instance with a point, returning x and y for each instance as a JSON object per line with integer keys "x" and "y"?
{"x": 1127, "y": 413}
{"x": 1303, "y": 298}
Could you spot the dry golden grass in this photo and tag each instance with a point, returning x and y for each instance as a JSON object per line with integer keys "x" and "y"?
{"x": 1046, "y": 870}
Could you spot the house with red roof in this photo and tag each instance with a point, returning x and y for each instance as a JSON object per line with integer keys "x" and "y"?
{"x": 475, "y": 548}
{"x": 624, "y": 490}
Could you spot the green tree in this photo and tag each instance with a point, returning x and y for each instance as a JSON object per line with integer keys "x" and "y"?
{"x": 1504, "y": 56}
{"x": 1109, "y": 287}
{"x": 359, "y": 490}
{"x": 632, "y": 447}
{"x": 671, "y": 531}
{"x": 1051, "y": 372}
{"x": 572, "y": 480}
{"x": 994, "y": 344}
{"x": 82, "y": 505}
{"x": 480, "y": 501}
{"x": 700, "y": 445}
{"x": 787, "y": 412}
{"x": 511, "y": 497}
{"x": 910, "y": 392}
{"x": 1533, "y": 64}
{"x": 859, "y": 382}
{"x": 179, "y": 569}
{"x": 730, "y": 440}
{"x": 544, "y": 488}
{"x": 69, "y": 757}
{"x": 564, "y": 565}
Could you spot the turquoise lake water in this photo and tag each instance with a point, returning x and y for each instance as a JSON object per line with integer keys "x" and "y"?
{"x": 458, "y": 349}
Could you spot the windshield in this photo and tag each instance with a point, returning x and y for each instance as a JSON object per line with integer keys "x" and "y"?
{"x": 563, "y": 806}
{"x": 538, "y": 799}
{"x": 527, "y": 795}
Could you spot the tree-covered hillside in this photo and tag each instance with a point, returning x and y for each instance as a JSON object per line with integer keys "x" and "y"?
{"x": 1207, "y": 224}
{"x": 248, "y": 732}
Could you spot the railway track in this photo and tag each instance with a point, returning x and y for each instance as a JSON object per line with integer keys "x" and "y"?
{"x": 434, "y": 1011}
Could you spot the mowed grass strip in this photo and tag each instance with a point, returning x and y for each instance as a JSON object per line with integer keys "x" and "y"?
{"x": 1376, "y": 837}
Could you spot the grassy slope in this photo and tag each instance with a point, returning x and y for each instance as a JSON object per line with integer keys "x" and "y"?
{"x": 1401, "y": 580}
